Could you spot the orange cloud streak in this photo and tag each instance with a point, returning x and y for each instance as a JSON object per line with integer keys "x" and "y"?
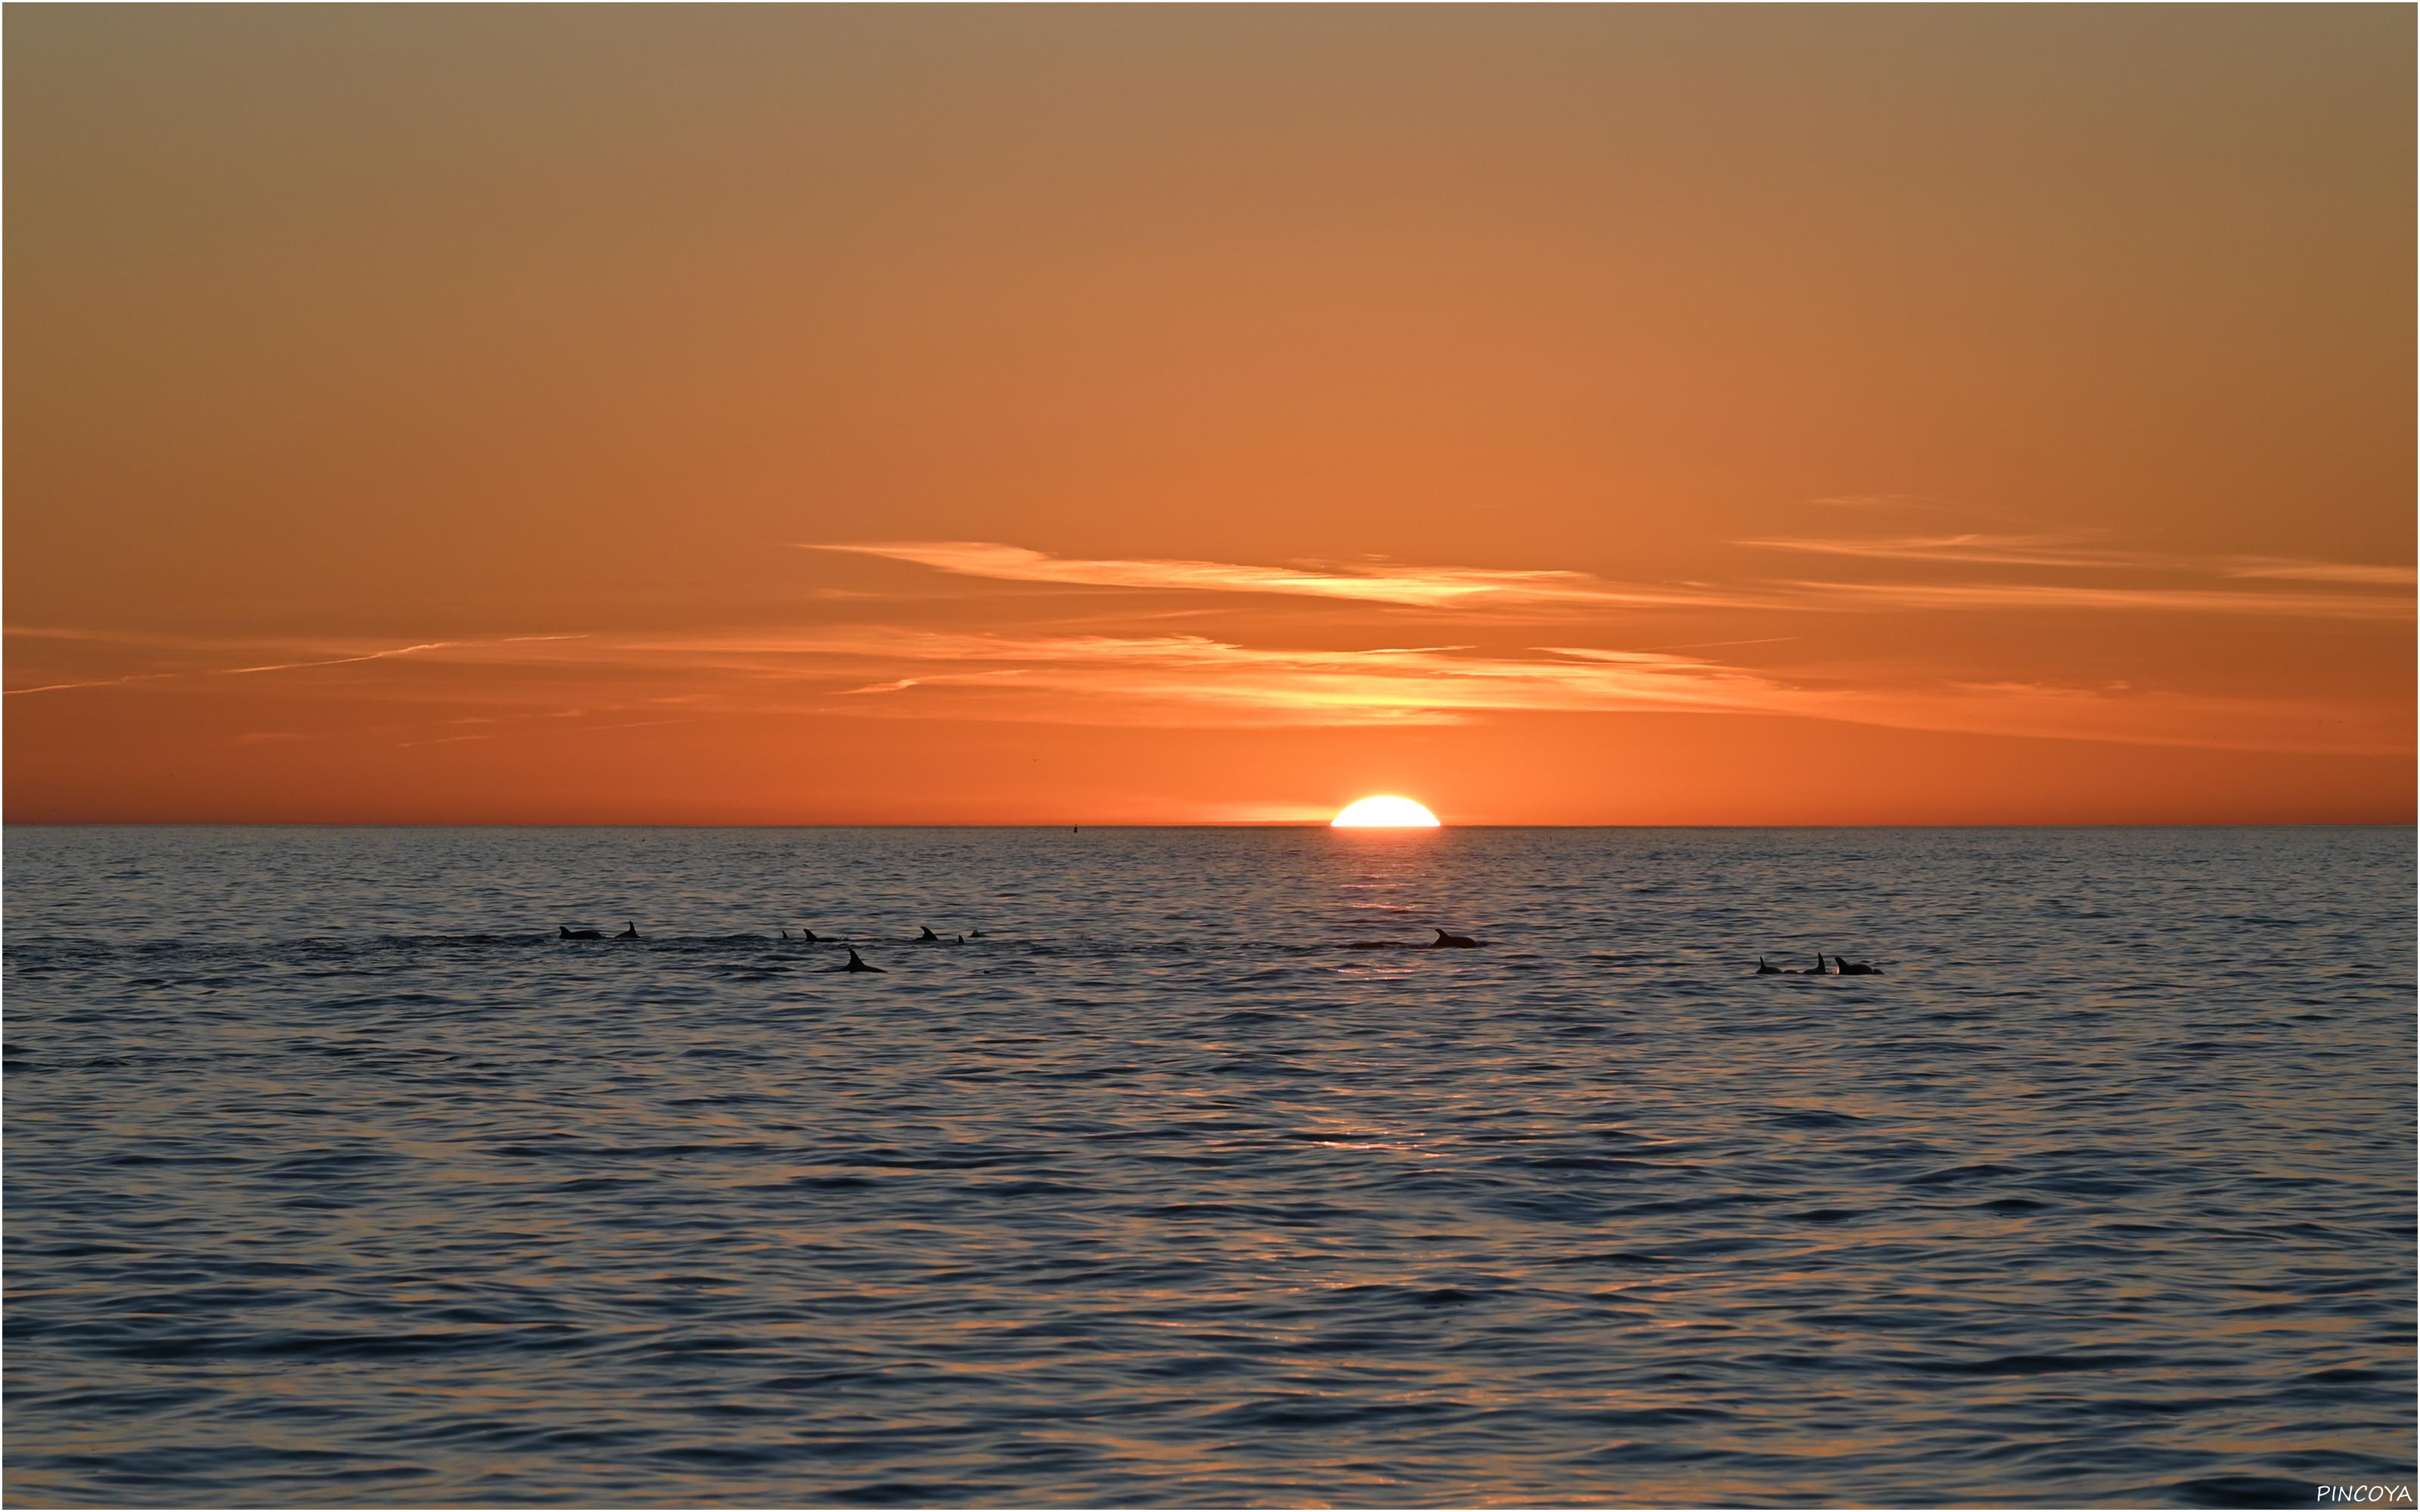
{"x": 1459, "y": 589}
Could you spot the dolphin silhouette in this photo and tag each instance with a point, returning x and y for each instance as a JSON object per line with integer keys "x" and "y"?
{"x": 855, "y": 965}
{"x": 1444, "y": 939}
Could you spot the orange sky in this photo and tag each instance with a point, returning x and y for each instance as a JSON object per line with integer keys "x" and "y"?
{"x": 1562, "y": 415}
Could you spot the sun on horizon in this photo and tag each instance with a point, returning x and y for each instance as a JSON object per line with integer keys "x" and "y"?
{"x": 1384, "y": 813}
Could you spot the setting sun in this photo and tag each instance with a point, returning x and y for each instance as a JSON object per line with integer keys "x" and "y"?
{"x": 1384, "y": 811}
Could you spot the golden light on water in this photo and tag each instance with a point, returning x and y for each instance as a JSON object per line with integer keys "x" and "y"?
{"x": 1384, "y": 813}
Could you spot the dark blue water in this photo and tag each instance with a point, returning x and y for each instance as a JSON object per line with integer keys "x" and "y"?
{"x": 332, "y": 1177}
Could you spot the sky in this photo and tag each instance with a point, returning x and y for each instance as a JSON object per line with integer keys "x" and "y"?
{"x": 1171, "y": 414}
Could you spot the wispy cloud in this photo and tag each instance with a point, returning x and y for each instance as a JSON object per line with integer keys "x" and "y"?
{"x": 1156, "y": 678}
{"x": 2319, "y": 572}
{"x": 1136, "y": 669}
{"x": 346, "y": 660}
{"x": 2080, "y": 551}
{"x": 1373, "y": 582}
{"x": 1543, "y": 595}
{"x": 97, "y": 682}
{"x": 1202, "y": 681}
{"x": 334, "y": 661}
{"x": 2034, "y": 596}
{"x": 1191, "y": 680}
{"x": 2379, "y": 592}
{"x": 1972, "y": 548}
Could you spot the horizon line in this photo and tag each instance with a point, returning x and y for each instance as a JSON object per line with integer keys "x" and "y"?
{"x": 1251, "y": 824}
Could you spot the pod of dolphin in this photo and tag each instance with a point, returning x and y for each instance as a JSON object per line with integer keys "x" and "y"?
{"x": 1847, "y": 968}
{"x": 1445, "y": 939}
{"x": 808, "y": 937}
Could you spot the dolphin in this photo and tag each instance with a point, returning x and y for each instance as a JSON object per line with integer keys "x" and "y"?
{"x": 928, "y": 934}
{"x": 1763, "y": 970}
{"x": 1444, "y": 939}
{"x": 629, "y": 933}
{"x": 1856, "y": 968}
{"x": 580, "y": 933}
{"x": 855, "y": 965}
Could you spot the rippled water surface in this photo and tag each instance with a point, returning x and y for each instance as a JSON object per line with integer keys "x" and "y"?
{"x": 334, "y": 1178}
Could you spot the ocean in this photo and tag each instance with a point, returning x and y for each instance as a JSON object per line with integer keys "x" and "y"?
{"x": 335, "y": 1178}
